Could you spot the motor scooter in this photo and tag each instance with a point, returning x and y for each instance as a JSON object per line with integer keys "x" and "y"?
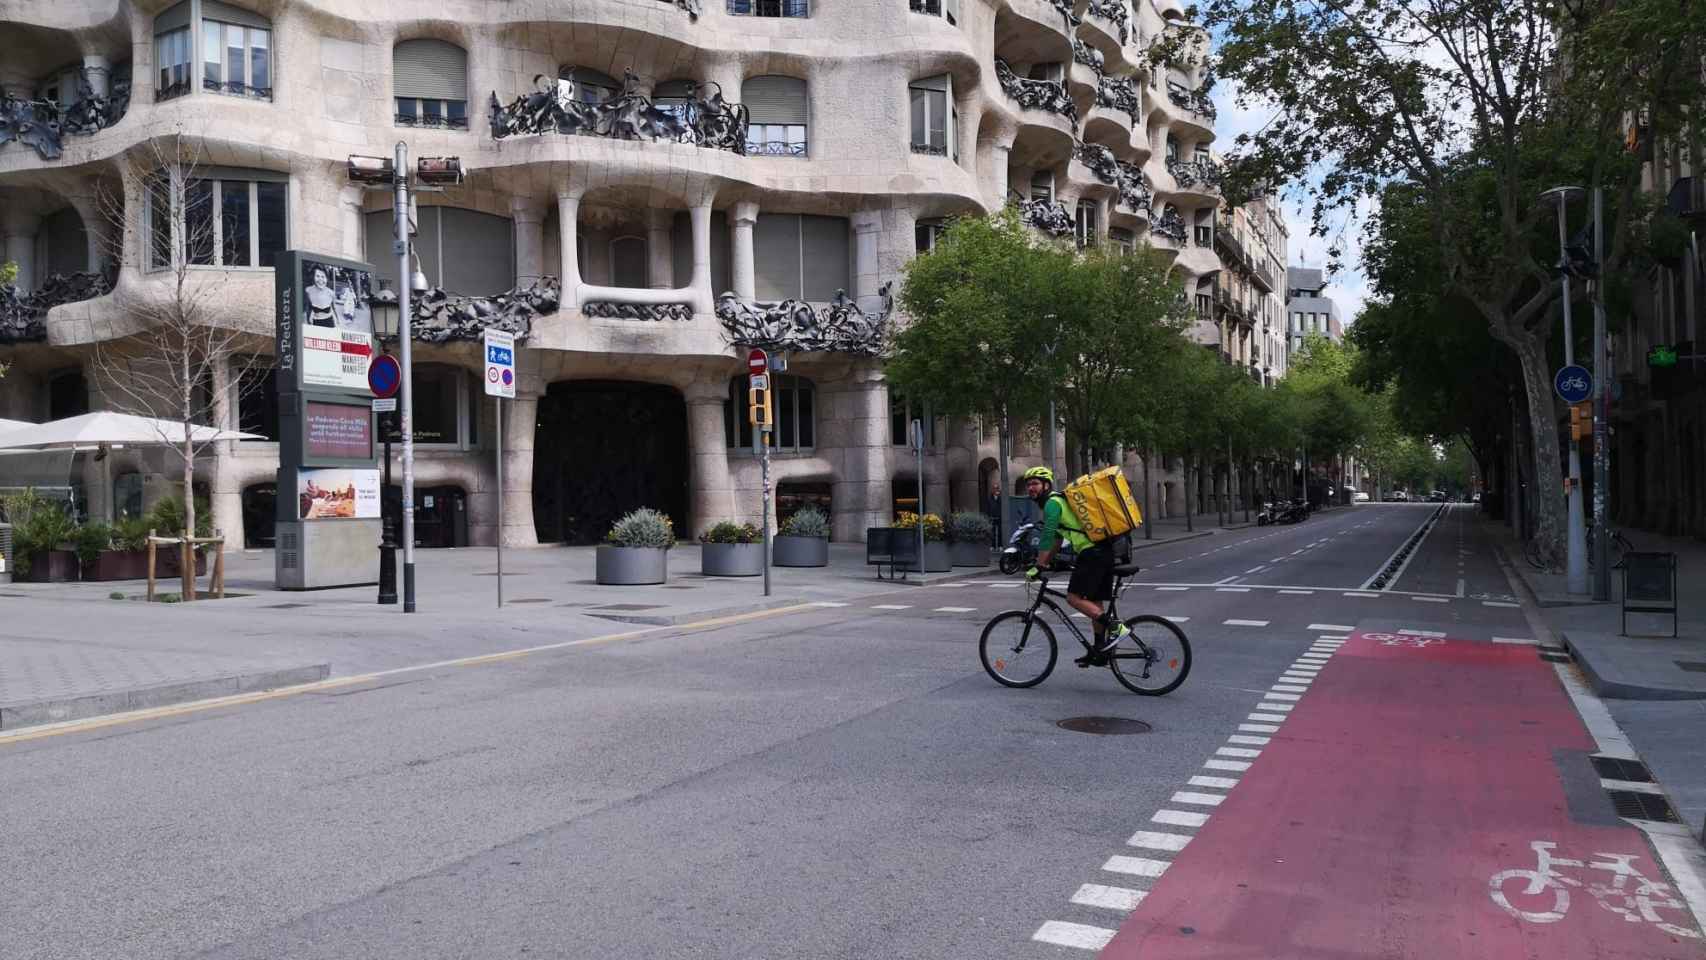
{"x": 1021, "y": 550}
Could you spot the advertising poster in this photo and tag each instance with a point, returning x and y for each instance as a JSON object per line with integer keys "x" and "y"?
{"x": 336, "y": 324}
{"x": 337, "y": 494}
{"x": 337, "y": 431}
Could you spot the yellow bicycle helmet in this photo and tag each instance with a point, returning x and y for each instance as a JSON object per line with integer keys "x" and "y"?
{"x": 1039, "y": 473}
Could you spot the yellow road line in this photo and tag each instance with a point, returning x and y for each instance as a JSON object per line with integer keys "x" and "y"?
{"x": 240, "y": 699}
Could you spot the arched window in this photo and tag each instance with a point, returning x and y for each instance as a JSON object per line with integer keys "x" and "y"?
{"x": 795, "y": 412}
{"x": 587, "y": 86}
{"x": 778, "y": 108}
{"x": 429, "y": 79}
{"x": 628, "y": 264}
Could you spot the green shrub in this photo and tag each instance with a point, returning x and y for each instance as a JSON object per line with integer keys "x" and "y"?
{"x": 644, "y": 527}
{"x": 728, "y": 531}
{"x": 131, "y": 533}
{"x": 934, "y": 530}
{"x": 116, "y": 595}
{"x": 807, "y": 522}
{"x": 167, "y": 517}
{"x": 19, "y": 507}
{"x": 46, "y": 527}
{"x": 90, "y": 540}
{"x": 969, "y": 527}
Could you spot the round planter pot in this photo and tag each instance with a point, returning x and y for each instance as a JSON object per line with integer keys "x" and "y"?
{"x": 969, "y": 555}
{"x": 731, "y": 559}
{"x": 626, "y": 566}
{"x": 800, "y": 552}
{"x": 937, "y": 558}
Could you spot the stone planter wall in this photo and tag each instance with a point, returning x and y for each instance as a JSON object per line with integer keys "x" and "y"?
{"x": 969, "y": 554}
{"x": 731, "y": 559}
{"x": 937, "y": 558}
{"x": 118, "y": 565}
{"x": 799, "y": 552}
{"x": 51, "y": 566}
{"x": 627, "y": 566}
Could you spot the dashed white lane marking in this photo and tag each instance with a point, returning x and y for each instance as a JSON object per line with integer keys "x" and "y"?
{"x": 1335, "y": 627}
{"x": 1267, "y": 717}
{"x": 1298, "y": 551}
{"x": 1275, "y": 707}
{"x": 1238, "y": 752}
{"x": 1108, "y": 898}
{"x": 1354, "y": 593}
{"x": 1408, "y": 632}
{"x": 1522, "y": 640}
{"x": 1300, "y": 593}
{"x": 1259, "y": 727}
{"x": 1236, "y": 766}
{"x": 1497, "y": 603}
{"x": 1168, "y": 616}
{"x": 1136, "y": 866}
{"x": 1080, "y": 935}
{"x": 1197, "y": 799}
{"x": 1248, "y": 741}
{"x": 1218, "y": 783}
{"x": 1224, "y": 580}
{"x": 1173, "y": 588}
{"x": 1004, "y": 586}
{"x": 828, "y": 603}
{"x": 1231, "y": 589}
{"x": 1290, "y": 697}
{"x": 1289, "y": 688}
{"x": 1256, "y": 569}
{"x": 1151, "y": 840}
{"x": 892, "y": 606}
{"x": 1182, "y": 818}
{"x": 1245, "y": 623}
{"x": 954, "y": 610}
{"x": 1432, "y": 599}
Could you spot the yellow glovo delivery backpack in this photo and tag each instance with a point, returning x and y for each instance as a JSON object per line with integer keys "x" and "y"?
{"x": 1103, "y": 504}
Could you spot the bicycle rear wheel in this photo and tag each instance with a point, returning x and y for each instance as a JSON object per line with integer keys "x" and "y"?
{"x": 1154, "y": 658}
{"x": 1018, "y": 650}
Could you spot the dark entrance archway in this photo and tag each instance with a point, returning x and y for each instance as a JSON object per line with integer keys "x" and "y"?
{"x": 603, "y": 448}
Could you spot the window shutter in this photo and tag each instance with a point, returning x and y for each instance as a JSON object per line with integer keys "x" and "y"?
{"x": 476, "y": 252}
{"x": 430, "y": 70}
{"x": 826, "y": 252}
{"x": 776, "y": 256}
{"x": 226, "y": 13}
{"x": 775, "y": 99}
{"x": 173, "y": 19}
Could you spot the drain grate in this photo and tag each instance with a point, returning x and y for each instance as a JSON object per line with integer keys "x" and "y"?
{"x": 1642, "y": 806}
{"x": 1616, "y": 768}
{"x": 285, "y": 606}
{"x": 1104, "y": 726}
{"x": 1692, "y": 666}
{"x": 530, "y": 600}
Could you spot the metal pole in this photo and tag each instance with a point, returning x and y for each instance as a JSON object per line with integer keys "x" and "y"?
{"x": 1003, "y": 441}
{"x": 500, "y": 443}
{"x": 406, "y": 336}
{"x": 918, "y": 448}
{"x": 1601, "y": 429}
{"x": 388, "y": 528}
{"x": 764, "y": 441}
{"x": 1576, "y": 561}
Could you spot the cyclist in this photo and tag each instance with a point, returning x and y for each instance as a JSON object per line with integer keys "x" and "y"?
{"x": 1092, "y": 583}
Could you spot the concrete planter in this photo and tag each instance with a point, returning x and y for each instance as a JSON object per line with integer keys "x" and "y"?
{"x": 118, "y": 565}
{"x": 51, "y": 566}
{"x": 731, "y": 559}
{"x": 168, "y": 562}
{"x": 626, "y": 566}
{"x": 969, "y": 554}
{"x": 937, "y": 558}
{"x": 799, "y": 552}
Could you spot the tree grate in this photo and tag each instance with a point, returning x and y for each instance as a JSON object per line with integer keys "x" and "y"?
{"x": 1617, "y": 768}
{"x": 1642, "y": 806}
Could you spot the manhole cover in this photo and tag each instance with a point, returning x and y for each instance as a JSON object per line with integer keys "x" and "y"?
{"x": 1103, "y": 726}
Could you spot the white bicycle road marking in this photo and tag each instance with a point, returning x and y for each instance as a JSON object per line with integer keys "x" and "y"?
{"x": 1640, "y": 904}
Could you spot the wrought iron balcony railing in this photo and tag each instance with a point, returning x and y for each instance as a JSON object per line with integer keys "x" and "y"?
{"x": 1048, "y": 95}
{"x": 1169, "y": 225}
{"x": 1045, "y": 215}
{"x": 703, "y": 117}
{"x": 172, "y": 92}
{"x": 1087, "y": 55}
{"x": 1121, "y": 94}
{"x": 1125, "y": 177}
{"x": 236, "y": 88}
{"x": 1115, "y": 12}
{"x": 1196, "y": 101}
{"x": 23, "y": 317}
{"x": 841, "y": 326}
{"x": 1190, "y": 173}
{"x": 1065, "y": 8}
{"x": 930, "y": 149}
{"x": 774, "y": 148}
{"x": 42, "y": 124}
{"x": 431, "y": 122}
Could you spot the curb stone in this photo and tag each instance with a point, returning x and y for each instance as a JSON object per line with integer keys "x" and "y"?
{"x": 60, "y": 709}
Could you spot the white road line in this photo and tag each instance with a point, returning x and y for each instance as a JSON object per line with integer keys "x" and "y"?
{"x": 1522, "y": 640}
{"x": 1237, "y": 752}
{"x": 1236, "y": 766}
{"x": 1341, "y": 637}
{"x": 1631, "y": 786}
{"x": 827, "y": 603}
{"x": 1224, "y": 580}
{"x": 1275, "y": 707}
{"x": 1004, "y": 586}
{"x": 1277, "y": 560}
{"x": 1288, "y": 688}
{"x": 1168, "y": 616}
{"x": 1151, "y": 840}
{"x": 1299, "y": 593}
{"x": 1460, "y": 581}
{"x": 1432, "y": 599}
{"x": 1108, "y": 898}
{"x": 1173, "y": 588}
{"x": 1245, "y": 623}
{"x": 1218, "y": 783}
{"x": 1247, "y": 741}
{"x": 1497, "y": 603}
{"x": 1182, "y": 818}
{"x": 1136, "y": 866}
{"x": 1408, "y": 632}
{"x": 1259, "y": 727}
{"x": 1267, "y": 717}
{"x": 1231, "y": 589}
{"x": 1296, "y": 552}
{"x": 1335, "y": 627}
{"x": 1283, "y": 696}
{"x": 1080, "y": 935}
{"x": 1353, "y": 593}
{"x": 892, "y": 606}
{"x": 1199, "y": 799}
{"x": 1302, "y": 679}
{"x": 954, "y": 610}
{"x": 1257, "y": 569}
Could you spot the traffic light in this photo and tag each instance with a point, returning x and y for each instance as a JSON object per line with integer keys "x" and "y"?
{"x": 1581, "y": 421}
{"x": 758, "y": 406}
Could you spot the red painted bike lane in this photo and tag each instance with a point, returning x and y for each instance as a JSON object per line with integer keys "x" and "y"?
{"x": 1382, "y": 817}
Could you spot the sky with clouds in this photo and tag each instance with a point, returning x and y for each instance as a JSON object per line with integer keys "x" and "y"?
{"x": 1348, "y": 286}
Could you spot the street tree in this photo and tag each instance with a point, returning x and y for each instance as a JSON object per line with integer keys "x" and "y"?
{"x": 1481, "y": 105}
{"x": 8, "y": 276}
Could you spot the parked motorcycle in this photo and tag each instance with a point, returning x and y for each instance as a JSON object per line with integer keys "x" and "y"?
{"x": 1021, "y": 550}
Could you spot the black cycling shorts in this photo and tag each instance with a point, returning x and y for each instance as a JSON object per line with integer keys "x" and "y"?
{"x": 1093, "y": 576}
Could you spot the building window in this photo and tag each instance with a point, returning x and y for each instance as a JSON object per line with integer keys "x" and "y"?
{"x": 1172, "y": 148}
{"x": 587, "y": 86}
{"x": 463, "y": 251}
{"x": 793, "y": 403}
{"x": 948, "y": 10}
{"x": 67, "y": 395}
{"x": 1122, "y": 238}
{"x": 1085, "y": 222}
{"x": 172, "y": 59}
{"x": 1053, "y": 71}
{"x": 446, "y": 407}
{"x": 926, "y": 233}
{"x": 778, "y": 110}
{"x": 429, "y": 80}
{"x": 628, "y": 266}
{"x": 769, "y": 8}
{"x": 1042, "y": 185}
{"x": 931, "y": 101}
{"x": 1205, "y": 308}
{"x": 902, "y": 413}
{"x": 236, "y": 58}
{"x": 257, "y": 400}
{"x": 801, "y": 257}
{"x": 1205, "y": 235}
{"x": 676, "y": 98}
{"x": 215, "y": 222}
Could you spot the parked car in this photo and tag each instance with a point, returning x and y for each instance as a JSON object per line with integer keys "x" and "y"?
{"x": 1398, "y": 496}
{"x": 1359, "y": 497}
{"x": 1438, "y": 496}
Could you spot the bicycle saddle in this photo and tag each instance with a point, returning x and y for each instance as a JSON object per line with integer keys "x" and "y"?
{"x": 1125, "y": 569}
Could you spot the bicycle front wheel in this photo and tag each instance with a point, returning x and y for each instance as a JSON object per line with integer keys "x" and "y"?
{"x": 1154, "y": 658}
{"x": 1018, "y": 649}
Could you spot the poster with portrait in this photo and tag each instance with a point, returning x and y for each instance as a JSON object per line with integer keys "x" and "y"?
{"x": 336, "y": 324}
{"x": 337, "y": 494}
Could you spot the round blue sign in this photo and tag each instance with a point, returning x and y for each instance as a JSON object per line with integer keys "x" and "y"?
{"x": 1573, "y": 383}
{"x": 384, "y": 376}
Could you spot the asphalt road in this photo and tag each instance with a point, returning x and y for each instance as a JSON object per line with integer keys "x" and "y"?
{"x": 834, "y": 782}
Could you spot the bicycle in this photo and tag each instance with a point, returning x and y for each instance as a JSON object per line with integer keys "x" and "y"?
{"x": 1018, "y": 647}
{"x": 1620, "y": 545}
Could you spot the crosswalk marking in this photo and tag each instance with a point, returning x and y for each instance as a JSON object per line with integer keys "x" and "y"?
{"x": 1275, "y": 707}
{"x": 1080, "y": 935}
{"x": 1259, "y": 727}
{"x": 1335, "y": 627}
{"x": 1109, "y": 898}
{"x": 1267, "y": 717}
{"x": 1218, "y": 783}
{"x": 1247, "y": 741}
{"x": 1151, "y": 840}
{"x": 1183, "y": 818}
{"x": 1198, "y": 799}
{"x": 1283, "y": 696}
{"x": 1523, "y": 640}
{"x": 1136, "y": 866}
{"x": 1288, "y": 688}
{"x": 1238, "y": 752}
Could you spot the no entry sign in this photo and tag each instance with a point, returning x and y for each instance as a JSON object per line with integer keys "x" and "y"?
{"x": 757, "y": 361}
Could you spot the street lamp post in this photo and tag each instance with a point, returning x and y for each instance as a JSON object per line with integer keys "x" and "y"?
{"x": 385, "y": 329}
{"x": 1576, "y": 565}
{"x": 406, "y": 416}
{"x": 1048, "y": 434}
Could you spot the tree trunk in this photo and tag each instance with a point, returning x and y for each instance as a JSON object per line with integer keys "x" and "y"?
{"x": 1003, "y": 441}
{"x": 1190, "y": 491}
{"x": 1148, "y": 516}
{"x": 1546, "y": 491}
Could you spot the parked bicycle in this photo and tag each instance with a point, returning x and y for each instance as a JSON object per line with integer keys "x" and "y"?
{"x": 1018, "y": 647}
{"x": 1620, "y": 545}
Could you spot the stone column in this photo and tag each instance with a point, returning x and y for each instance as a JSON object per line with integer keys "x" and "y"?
{"x": 860, "y": 495}
{"x": 226, "y": 488}
{"x": 528, "y": 215}
{"x": 701, "y": 282}
{"x": 96, "y": 231}
{"x": 867, "y": 275}
{"x": 98, "y": 73}
{"x": 20, "y": 231}
{"x": 568, "y": 223}
{"x": 712, "y": 495}
{"x": 350, "y": 221}
{"x": 1000, "y": 169}
{"x": 745, "y": 215}
{"x": 521, "y": 415}
{"x": 660, "y": 251}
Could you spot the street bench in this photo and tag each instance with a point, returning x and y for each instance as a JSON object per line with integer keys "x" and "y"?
{"x": 893, "y": 547}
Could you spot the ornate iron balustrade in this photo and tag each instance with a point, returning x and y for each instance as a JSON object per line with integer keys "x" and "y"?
{"x": 23, "y": 317}
{"x": 1046, "y": 215}
{"x": 930, "y": 149}
{"x": 609, "y": 310}
{"x": 1170, "y": 225}
{"x": 931, "y": 7}
{"x": 839, "y": 327}
{"x": 774, "y": 148}
{"x": 1196, "y": 101}
{"x": 42, "y": 124}
{"x": 1203, "y": 104}
{"x": 1190, "y": 173}
{"x": 1065, "y": 8}
{"x": 1125, "y": 177}
{"x": 1121, "y": 94}
{"x": 1113, "y": 11}
{"x": 1136, "y": 194}
{"x": 236, "y": 88}
{"x": 440, "y": 317}
{"x": 691, "y": 7}
{"x": 1049, "y": 95}
{"x": 182, "y": 88}
{"x": 435, "y": 123}
{"x": 1087, "y": 55}
{"x": 704, "y": 118}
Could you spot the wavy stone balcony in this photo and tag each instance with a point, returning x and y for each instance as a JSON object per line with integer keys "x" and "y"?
{"x": 1192, "y": 106}
{"x": 1115, "y": 14}
{"x": 1049, "y": 96}
{"x": 23, "y": 317}
{"x": 703, "y": 118}
{"x": 42, "y": 124}
{"x": 1130, "y": 185}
